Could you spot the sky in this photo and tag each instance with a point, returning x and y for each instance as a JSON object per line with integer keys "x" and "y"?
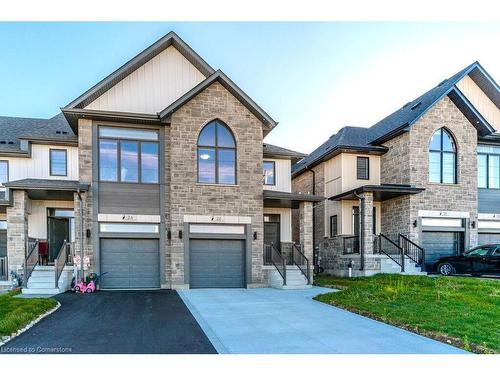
{"x": 313, "y": 78}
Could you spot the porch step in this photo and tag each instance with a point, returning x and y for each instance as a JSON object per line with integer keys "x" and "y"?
{"x": 387, "y": 265}
{"x": 294, "y": 279}
{"x": 42, "y": 279}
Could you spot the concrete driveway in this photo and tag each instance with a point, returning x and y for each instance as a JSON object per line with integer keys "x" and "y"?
{"x": 115, "y": 322}
{"x": 278, "y": 321}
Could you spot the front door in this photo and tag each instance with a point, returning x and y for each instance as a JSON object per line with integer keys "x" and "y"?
{"x": 58, "y": 232}
{"x": 272, "y": 230}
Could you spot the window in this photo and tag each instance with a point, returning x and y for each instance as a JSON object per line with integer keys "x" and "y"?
{"x": 496, "y": 252}
{"x": 216, "y": 155}
{"x": 58, "y": 162}
{"x": 488, "y": 167}
{"x": 333, "y": 226}
{"x": 442, "y": 158}
{"x": 355, "y": 220}
{"x": 4, "y": 171}
{"x": 374, "y": 220}
{"x": 3, "y": 225}
{"x": 363, "y": 168}
{"x": 482, "y": 251}
{"x": 128, "y": 228}
{"x": 128, "y": 155}
{"x": 269, "y": 172}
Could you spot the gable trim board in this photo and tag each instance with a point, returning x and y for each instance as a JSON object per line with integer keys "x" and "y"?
{"x": 171, "y": 39}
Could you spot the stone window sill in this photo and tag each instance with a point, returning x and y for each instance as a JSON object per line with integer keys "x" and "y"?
{"x": 444, "y": 184}
{"x": 217, "y": 185}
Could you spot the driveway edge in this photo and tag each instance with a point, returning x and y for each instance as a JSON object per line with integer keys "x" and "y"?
{"x": 214, "y": 339}
{"x": 30, "y": 324}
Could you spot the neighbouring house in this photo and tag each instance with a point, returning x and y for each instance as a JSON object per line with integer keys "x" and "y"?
{"x": 158, "y": 175}
{"x": 418, "y": 185}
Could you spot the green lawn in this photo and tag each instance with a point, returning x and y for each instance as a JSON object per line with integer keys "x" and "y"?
{"x": 459, "y": 310}
{"x": 15, "y": 313}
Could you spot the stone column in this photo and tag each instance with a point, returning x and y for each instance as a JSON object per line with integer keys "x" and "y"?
{"x": 366, "y": 216}
{"x": 17, "y": 230}
{"x": 306, "y": 230}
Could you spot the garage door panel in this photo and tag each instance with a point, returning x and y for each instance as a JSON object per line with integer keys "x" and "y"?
{"x": 489, "y": 238}
{"x": 217, "y": 264}
{"x": 440, "y": 244}
{"x": 130, "y": 263}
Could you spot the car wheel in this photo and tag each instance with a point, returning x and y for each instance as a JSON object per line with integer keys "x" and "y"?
{"x": 446, "y": 269}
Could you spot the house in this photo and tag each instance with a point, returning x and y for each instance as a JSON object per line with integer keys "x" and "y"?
{"x": 156, "y": 177}
{"x": 418, "y": 185}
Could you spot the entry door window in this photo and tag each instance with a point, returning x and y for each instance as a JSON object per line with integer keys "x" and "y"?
{"x": 272, "y": 229}
{"x": 355, "y": 220}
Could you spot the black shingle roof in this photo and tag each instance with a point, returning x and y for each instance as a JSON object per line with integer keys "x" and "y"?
{"x": 414, "y": 109}
{"x": 270, "y": 149}
{"x": 349, "y": 137}
{"x": 369, "y": 138}
{"x": 12, "y": 129}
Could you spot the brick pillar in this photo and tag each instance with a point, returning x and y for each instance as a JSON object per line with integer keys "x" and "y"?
{"x": 17, "y": 230}
{"x": 366, "y": 212}
{"x": 306, "y": 229}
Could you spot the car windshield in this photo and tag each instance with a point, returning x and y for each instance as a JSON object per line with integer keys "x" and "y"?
{"x": 478, "y": 252}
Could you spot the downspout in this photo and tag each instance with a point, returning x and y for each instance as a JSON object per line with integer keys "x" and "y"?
{"x": 81, "y": 234}
{"x": 361, "y": 224}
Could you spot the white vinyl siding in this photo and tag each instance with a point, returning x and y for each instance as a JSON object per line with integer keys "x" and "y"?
{"x": 285, "y": 221}
{"x": 480, "y": 101}
{"x": 37, "y": 218}
{"x": 38, "y": 165}
{"x": 283, "y": 177}
{"x": 153, "y": 86}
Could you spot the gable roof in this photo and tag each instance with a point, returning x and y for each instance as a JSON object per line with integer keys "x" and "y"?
{"x": 412, "y": 111}
{"x": 364, "y": 139}
{"x": 15, "y": 129}
{"x": 229, "y": 85}
{"x": 171, "y": 39}
{"x": 349, "y": 138}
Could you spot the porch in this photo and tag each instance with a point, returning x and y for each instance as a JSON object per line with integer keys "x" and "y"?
{"x": 40, "y": 230}
{"x": 370, "y": 232}
{"x": 289, "y": 264}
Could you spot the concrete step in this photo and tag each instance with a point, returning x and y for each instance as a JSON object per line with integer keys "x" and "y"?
{"x": 32, "y": 284}
{"x": 47, "y": 291}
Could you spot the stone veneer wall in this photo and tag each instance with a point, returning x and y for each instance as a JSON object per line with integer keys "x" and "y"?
{"x": 336, "y": 263}
{"x": 407, "y": 162}
{"x": 17, "y": 230}
{"x": 188, "y": 197}
{"x": 304, "y": 184}
{"x": 85, "y": 176}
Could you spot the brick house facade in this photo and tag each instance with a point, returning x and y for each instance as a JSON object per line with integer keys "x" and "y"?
{"x": 403, "y": 219}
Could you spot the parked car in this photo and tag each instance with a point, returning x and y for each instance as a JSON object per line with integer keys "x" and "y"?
{"x": 481, "y": 260}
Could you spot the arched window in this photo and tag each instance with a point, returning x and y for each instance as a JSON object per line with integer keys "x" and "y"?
{"x": 442, "y": 158}
{"x": 216, "y": 154}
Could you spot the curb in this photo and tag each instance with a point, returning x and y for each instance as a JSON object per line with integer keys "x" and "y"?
{"x": 29, "y": 325}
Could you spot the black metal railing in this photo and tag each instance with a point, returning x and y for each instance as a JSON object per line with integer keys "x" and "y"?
{"x": 350, "y": 244}
{"x": 384, "y": 245}
{"x": 60, "y": 261}
{"x": 3, "y": 268}
{"x": 31, "y": 259}
{"x": 276, "y": 259}
{"x": 412, "y": 250}
{"x": 301, "y": 261}
{"x": 268, "y": 254}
